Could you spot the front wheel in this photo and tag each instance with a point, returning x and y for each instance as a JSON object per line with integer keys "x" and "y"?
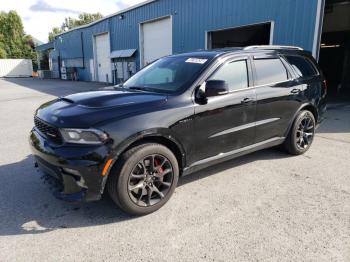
{"x": 144, "y": 179}
{"x": 302, "y": 133}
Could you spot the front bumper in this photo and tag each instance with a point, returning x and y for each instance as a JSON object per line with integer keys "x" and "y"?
{"x": 78, "y": 168}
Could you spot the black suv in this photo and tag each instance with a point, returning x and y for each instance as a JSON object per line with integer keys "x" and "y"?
{"x": 176, "y": 116}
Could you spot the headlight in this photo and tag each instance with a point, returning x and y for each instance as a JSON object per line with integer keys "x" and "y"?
{"x": 84, "y": 136}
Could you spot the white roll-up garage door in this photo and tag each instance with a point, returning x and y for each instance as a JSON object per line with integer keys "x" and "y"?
{"x": 156, "y": 40}
{"x": 102, "y": 58}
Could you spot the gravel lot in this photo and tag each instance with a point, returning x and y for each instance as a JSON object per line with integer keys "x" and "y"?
{"x": 266, "y": 206}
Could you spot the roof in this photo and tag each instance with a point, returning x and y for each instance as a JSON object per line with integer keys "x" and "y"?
{"x": 45, "y": 47}
{"x": 111, "y": 15}
{"x": 250, "y": 49}
{"x": 209, "y": 53}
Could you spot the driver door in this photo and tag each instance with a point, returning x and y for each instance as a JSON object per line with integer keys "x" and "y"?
{"x": 227, "y": 122}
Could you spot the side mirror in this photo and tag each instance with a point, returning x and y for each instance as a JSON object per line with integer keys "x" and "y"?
{"x": 216, "y": 88}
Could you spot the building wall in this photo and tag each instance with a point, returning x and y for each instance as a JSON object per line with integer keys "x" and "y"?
{"x": 294, "y": 24}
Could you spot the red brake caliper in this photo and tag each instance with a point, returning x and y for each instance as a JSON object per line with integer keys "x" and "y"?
{"x": 157, "y": 164}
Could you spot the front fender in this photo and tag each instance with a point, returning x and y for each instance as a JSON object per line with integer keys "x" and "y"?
{"x": 154, "y": 132}
{"x": 163, "y": 133}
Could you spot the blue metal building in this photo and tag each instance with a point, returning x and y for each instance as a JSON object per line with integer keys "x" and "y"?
{"x": 113, "y": 48}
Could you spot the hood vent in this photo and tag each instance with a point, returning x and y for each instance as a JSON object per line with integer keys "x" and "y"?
{"x": 66, "y": 100}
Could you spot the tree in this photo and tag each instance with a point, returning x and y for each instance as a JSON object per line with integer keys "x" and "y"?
{"x": 70, "y": 23}
{"x": 14, "y": 43}
{"x": 3, "y": 53}
{"x": 55, "y": 31}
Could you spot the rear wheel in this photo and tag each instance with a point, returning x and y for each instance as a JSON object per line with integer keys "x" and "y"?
{"x": 144, "y": 179}
{"x": 302, "y": 133}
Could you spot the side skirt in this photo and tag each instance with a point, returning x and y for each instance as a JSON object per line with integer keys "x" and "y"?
{"x": 232, "y": 154}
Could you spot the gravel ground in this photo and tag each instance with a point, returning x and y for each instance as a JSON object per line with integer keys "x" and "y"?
{"x": 266, "y": 206}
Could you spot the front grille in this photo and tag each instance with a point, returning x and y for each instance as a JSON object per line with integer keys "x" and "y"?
{"x": 49, "y": 131}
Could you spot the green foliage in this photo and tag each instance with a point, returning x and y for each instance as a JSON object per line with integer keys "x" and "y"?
{"x": 14, "y": 43}
{"x": 55, "y": 31}
{"x": 3, "y": 53}
{"x": 70, "y": 23}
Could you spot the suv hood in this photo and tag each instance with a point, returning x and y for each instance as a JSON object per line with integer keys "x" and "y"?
{"x": 84, "y": 110}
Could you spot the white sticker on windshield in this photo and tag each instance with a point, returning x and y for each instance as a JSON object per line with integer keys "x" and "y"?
{"x": 196, "y": 61}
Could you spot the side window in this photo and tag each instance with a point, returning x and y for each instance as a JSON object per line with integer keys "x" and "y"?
{"x": 270, "y": 71}
{"x": 235, "y": 74}
{"x": 302, "y": 66}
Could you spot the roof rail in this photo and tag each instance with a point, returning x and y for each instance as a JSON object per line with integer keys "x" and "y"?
{"x": 273, "y": 47}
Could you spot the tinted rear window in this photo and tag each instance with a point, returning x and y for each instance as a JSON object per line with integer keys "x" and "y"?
{"x": 302, "y": 66}
{"x": 270, "y": 71}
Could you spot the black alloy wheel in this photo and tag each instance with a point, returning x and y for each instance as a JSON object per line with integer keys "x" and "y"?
{"x": 144, "y": 178}
{"x": 301, "y": 134}
{"x": 305, "y": 132}
{"x": 150, "y": 180}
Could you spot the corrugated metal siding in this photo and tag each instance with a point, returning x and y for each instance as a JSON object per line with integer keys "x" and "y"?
{"x": 45, "y": 47}
{"x": 294, "y": 25}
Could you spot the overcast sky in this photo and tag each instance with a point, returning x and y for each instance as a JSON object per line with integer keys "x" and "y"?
{"x": 40, "y": 16}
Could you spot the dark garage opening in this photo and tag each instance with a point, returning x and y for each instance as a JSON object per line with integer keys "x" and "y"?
{"x": 335, "y": 49}
{"x": 258, "y": 34}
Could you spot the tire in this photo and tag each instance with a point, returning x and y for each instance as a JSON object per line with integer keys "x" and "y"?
{"x": 301, "y": 135}
{"x": 139, "y": 187}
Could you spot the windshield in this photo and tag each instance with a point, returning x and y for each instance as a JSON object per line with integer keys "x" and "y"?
{"x": 168, "y": 75}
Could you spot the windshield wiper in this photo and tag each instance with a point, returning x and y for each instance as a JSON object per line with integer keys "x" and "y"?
{"x": 144, "y": 89}
{"x": 131, "y": 88}
{"x": 139, "y": 88}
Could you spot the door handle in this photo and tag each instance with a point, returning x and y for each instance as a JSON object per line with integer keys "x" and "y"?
{"x": 247, "y": 100}
{"x": 296, "y": 91}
